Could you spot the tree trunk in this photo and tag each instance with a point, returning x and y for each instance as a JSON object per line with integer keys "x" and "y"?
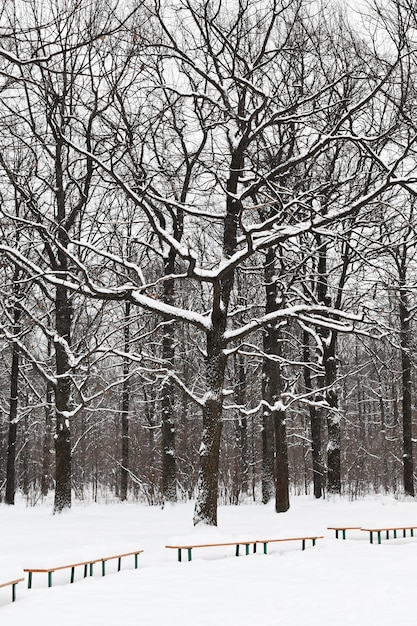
{"x": 334, "y": 480}
{"x": 47, "y": 442}
{"x": 315, "y": 424}
{"x": 124, "y": 470}
{"x": 207, "y": 486}
{"x": 329, "y": 366}
{"x": 169, "y": 466}
{"x": 241, "y": 473}
{"x": 272, "y": 387}
{"x": 208, "y": 478}
{"x": 268, "y": 445}
{"x": 62, "y": 402}
{"x": 408, "y": 464}
{"x": 14, "y": 388}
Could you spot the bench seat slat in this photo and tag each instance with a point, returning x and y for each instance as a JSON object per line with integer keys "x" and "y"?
{"x": 12, "y": 582}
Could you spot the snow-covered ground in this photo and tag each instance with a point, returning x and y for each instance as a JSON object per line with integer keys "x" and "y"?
{"x": 336, "y": 582}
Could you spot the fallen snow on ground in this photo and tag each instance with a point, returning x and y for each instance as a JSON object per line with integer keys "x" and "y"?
{"x": 337, "y": 582}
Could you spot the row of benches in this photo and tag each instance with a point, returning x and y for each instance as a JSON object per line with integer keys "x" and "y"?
{"x": 89, "y": 565}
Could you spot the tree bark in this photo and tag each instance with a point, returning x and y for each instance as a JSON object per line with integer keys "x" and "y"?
{"x": 207, "y": 487}
{"x": 169, "y": 465}
{"x": 272, "y": 387}
{"x": 47, "y": 442}
{"x": 208, "y": 478}
{"x": 124, "y": 470}
{"x": 315, "y": 425}
{"x": 62, "y": 402}
{"x": 334, "y": 480}
{"x": 408, "y": 463}
{"x": 13, "y": 406}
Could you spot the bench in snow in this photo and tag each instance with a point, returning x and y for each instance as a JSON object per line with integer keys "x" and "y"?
{"x": 303, "y": 540}
{"x": 88, "y": 567}
{"x": 247, "y": 544}
{"x": 189, "y": 547}
{"x": 343, "y": 529}
{"x": 394, "y": 529}
{"x": 13, "y": 584}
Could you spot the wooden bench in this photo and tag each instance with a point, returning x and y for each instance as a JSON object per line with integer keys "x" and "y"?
{"x": 88, "y": 567}
{"x": 343, "y": 529}
{"x": 303, "y": 540}
{"x": 394, "y": 529}
{"x": 13, "y": 584}
{"x": 189, "y": 547}
{"x": 247, "y": 544}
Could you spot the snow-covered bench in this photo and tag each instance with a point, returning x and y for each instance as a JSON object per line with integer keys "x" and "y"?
{"x": 88, "y": 566}
{"x": 247, "y": 544}
{"x": 13, "y": 584}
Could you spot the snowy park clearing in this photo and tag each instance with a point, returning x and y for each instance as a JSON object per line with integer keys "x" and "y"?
{"x": 338, "y": 581}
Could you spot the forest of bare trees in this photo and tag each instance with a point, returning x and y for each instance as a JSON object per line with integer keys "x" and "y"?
{"x": 208, "y": 250}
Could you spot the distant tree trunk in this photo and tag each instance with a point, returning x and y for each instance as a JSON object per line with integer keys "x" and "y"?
{"x": 13, "y": 406}
{"x": 328, "y": 363}
{"x": 315, "y": 424}
{"x": 272, "y": 387}
{"x": 241, "y": 475}
{"x": 169, "y": 466}
{"x": 334, "y": 481}
{"x": 405, "y": 334}
{"x": 47, "y": 442}
{"x": 124, "y": 471}
{"x": 62, "y": 401}
{"x": 268, "y": 446}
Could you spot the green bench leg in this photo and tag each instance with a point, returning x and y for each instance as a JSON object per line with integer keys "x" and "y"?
{"x": 387, "y": 534}
{"x": 49, "y": 579}
{"x": 404, "y": 533}
{"x": 136, "y": 561}
{"x": 91, "y": 568}
{"x": 411, "y": 532}
{"x": 72, "y": 574}
{"x": 119, "y": 564}
{"x": 14, "y": 592}
{"x": 179, "y": 554}
{"x": 237, "y": 549}
{"x": 344, "y": 533}
{"x": 29, "y": 580}
{"x": 371, "y": 537}
{"x": 189, "y": 553}
{"x": 254, "y": 548}
{"x": 395, "y": 534}
{"x": 265, "y": 548}
{"x": 85, "y": 571}
{"x": 379, "y": 537}
{"x": 103, "y": 568}
{"x": 314, "y": 541}
{"x": 303, "y": 546}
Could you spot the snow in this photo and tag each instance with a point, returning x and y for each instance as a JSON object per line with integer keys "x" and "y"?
{"x": 345, "y": 582}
